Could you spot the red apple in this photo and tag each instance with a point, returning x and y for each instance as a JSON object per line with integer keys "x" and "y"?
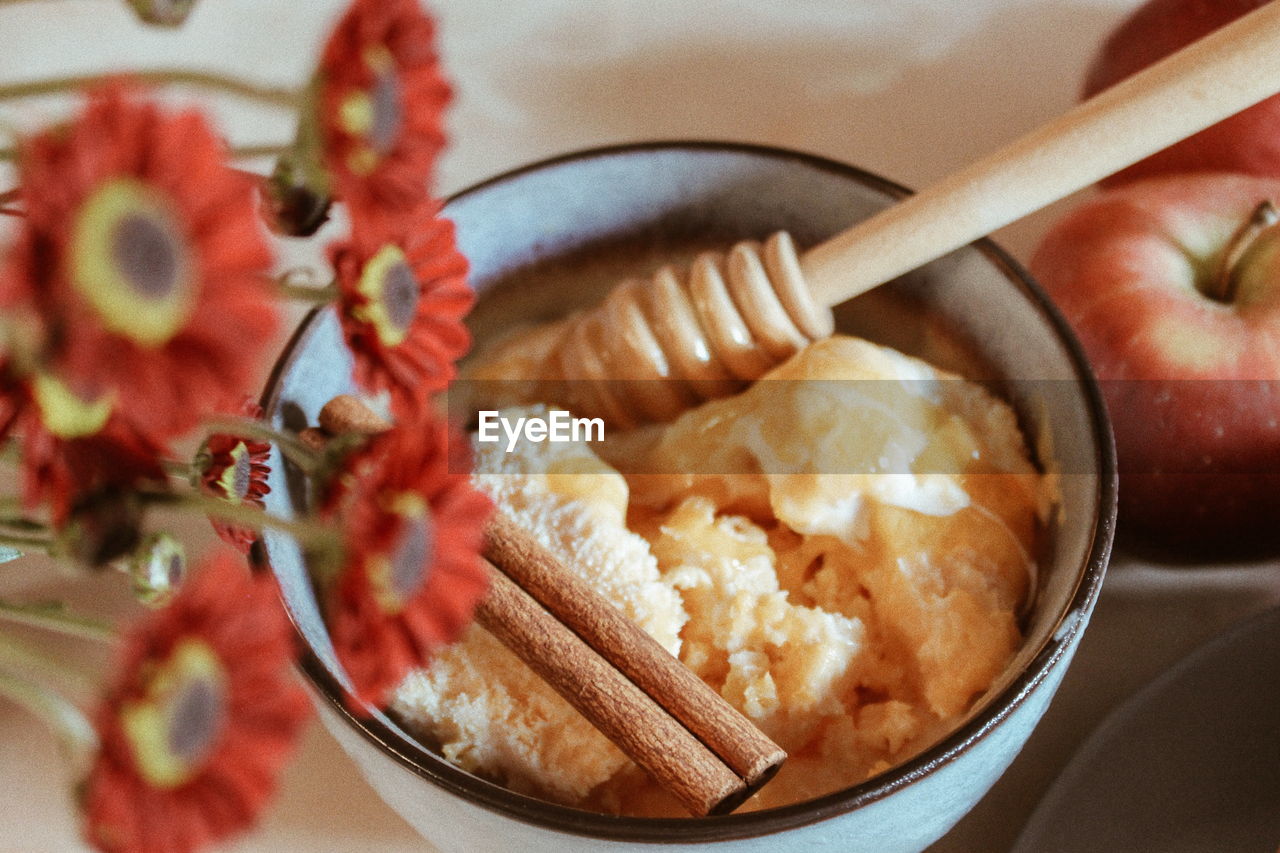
{"x": 1247, "y": 142}
{"x": 1176, "y": 299}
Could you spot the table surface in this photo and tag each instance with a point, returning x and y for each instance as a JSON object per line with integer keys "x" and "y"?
{"x": 907, "y": 88}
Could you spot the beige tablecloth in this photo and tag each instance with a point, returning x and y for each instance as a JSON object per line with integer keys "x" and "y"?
{"x": 907, "y": 88}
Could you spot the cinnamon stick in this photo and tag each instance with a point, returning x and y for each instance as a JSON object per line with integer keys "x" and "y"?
{"x": 618, "y": 708}
{"x": 639, "y": 657}
{"x": 661, "y": 715}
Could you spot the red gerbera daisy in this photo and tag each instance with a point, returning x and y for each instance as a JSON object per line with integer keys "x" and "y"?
{"x": 403, "y": 296}
{"x": 380, "y": 102}
{"x": 412, "y": 574}
{"x": 70, "y": 447}
{"x": 138, "y": 275}
{"x": 202, "y": 716}
{"x": 235, "y": 470}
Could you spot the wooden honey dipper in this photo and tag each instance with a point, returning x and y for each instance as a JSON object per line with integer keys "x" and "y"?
{"x": 734, "y": 315}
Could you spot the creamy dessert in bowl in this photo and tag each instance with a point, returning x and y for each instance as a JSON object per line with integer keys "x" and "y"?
{"x": 900, "y": 630}
{"x": 841, "y": 550}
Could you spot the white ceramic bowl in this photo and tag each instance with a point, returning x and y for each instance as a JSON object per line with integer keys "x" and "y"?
{"x": 672, "y": 194}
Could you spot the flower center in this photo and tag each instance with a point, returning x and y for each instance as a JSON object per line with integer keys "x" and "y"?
{"x": 145, "y": 254}
{"x": 387, "y": 116}
{"x": 180, "y": 720}
{"x": 399, "y": 576}
{"x": 238, "y": 476}
{"x": 130, "y": 262}
{"x": 392, "y": 292}
{"x": 376, "y": 114}
{"x": 400, "y": 295}
{"x": 66, "y": 414}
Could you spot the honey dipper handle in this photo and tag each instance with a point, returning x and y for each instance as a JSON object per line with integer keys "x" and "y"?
{"x": 1216, "y": 77}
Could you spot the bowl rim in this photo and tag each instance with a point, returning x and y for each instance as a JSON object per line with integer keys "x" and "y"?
{"x": 434, "y": 769}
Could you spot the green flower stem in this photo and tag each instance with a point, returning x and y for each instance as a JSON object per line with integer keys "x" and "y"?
{"x": 245, "y": 152}
{"x": 308, "y": 293}
{"x": 11, "y": 451}
{"x": 13, "y": 515}
{"x": 52, "y": 617}
{"x": 26, "y": 541}
{"x": 16, "y": 655}
{"x": 10, "y": 503}
{"x": 309, "y": 534}
{"x": 237, "y": 152}
{"x": 176, "y": 468}
{"x": 285, "y": 98}
{"x": 290, "y": 445}
{"x": 53, "y": 709}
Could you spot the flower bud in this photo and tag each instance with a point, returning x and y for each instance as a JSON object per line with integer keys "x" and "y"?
{"x": 157, "y": 569}
{"x": 163, "y": 13}
{"x": 103, "y": 526}
{"x": 296, "y": 200}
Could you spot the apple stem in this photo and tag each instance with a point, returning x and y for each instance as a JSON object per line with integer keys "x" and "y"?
{"x": 1263, "y": 217}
